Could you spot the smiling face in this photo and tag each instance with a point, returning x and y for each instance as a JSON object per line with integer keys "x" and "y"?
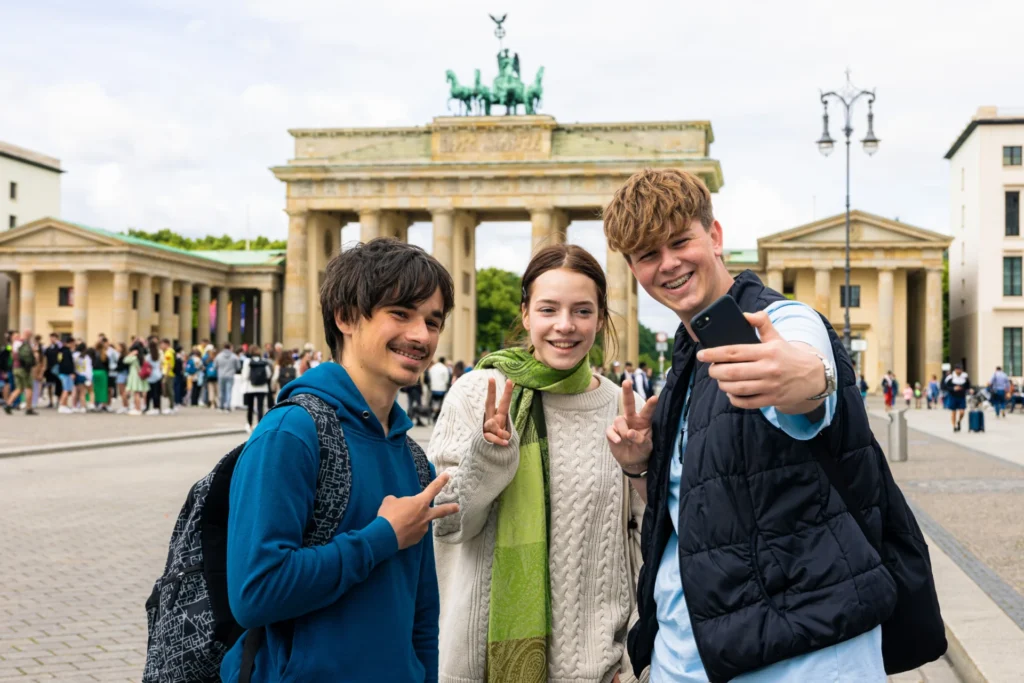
{"x": 686, "y": 274}
{"x": 562, "y": 317}
{"x": 395, "y": 344}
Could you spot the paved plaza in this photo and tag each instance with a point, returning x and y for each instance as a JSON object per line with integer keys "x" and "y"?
{"x": 85, "y": 535}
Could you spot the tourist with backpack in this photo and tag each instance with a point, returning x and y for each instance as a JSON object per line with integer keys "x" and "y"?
{"x": 256, "y": 381}
{"x": 760, "y": 472}
{"x": 284, "y": 371}
{"x": 327, "y": 549}
{"x": 23, "y": 362}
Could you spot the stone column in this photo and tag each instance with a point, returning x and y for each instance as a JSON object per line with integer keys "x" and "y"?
{"x": 266, "y": 316}
{"x": 549, "y": 227}
{"x": 823, "y": 291}
{"x": 886, "y": 327}
{"x": 296, "y": 281}
{"x": 167, "y": 327}
{"x": 145, "y": 306}
{"x": 463, "y": 319}
{"x": 933, "y": 324}
{"x": 775, "y": 279}
{"x": 395, "y": 224}
{"x": 236, "y": 317}
{"x": 444, "y": 229}
{"x": 27, "y": 301}
{"x": 13, "y": 303}
{"x": 80, "y": 316}
{"x": 203, "y": 312}
{"x": 122, "y": 305}
{"x": 185, "y": 315}
{"x": 222, "y": 316}
{"x": 369, "y": 225}
{"x": 618, "y": 306}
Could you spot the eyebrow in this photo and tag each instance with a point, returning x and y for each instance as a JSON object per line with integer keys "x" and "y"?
{"x": 552, "y": 301}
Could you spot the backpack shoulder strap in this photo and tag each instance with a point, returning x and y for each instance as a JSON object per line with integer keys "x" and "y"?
{"x": 334, "y": 478}
{"x": 419, "y": 459}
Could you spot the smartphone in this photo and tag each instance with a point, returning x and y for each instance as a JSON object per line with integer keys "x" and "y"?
{"x": 722, "y": 324}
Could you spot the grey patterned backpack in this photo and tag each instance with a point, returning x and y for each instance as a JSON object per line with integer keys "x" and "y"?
{"x": 191, "y": 627}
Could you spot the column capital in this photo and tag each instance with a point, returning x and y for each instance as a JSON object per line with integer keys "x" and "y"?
{"x": 442, "y": 211}
{"x": 292, "y": 212}
{"x": 934, "y": 269}
{"x": 818, "y": 269}
{"x": 886, "y": 269}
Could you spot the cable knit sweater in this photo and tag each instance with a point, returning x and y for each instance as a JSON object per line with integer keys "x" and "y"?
{"x": 589, "y": 569}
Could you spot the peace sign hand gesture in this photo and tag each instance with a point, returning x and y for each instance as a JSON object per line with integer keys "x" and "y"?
{"x": 629, "y": 437}
{"x": 496, "y": 422}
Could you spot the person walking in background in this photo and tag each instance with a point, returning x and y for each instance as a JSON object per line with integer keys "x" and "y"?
{"x": 210, "y": 384}
{"x": 167, "y": 367}
{"x": 615, "y": 373}
{"x": 917, "y": 395}
{"x": 154, "y": 361}
{"x": 53, "y": 386}
{"x": 38, "y": 373}
{"x": 66, "y": 372}
{"x": 284, "y": 371}
{"x": 225, "y": 364}
{"x": 627, "y": 374}
{"x": 23, "y": 360}
{"x": 439, "y": 379}
{"x": 908, "y": 394}
{"x": 862, "y": 384}
{"x": 101, "y": 377}
{"x": 957, "y": 387}
{"x": 1000, "y": 387}
{"x": 933, "y": 392}
{"x": 255, "y": 381}
{"x": 136, "y": 388}
{"x": 641, "y": 384}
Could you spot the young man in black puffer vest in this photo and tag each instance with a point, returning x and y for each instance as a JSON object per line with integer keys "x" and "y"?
{"x": 753, "y": 569}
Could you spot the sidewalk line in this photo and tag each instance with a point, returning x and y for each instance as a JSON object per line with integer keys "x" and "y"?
{"x": 984, "y": 642}
{"x": 19, "y": 451}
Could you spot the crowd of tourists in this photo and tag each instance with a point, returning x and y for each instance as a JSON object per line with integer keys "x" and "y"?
{"x": 144, "y": 376}
{"x": 559, "y": 526}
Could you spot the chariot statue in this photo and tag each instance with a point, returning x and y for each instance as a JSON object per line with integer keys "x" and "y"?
{"x": 507, "y": 89}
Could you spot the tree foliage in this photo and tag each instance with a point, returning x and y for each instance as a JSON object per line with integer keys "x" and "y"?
{"x": 497, "y": 307}
{"x": 208, "y": 243}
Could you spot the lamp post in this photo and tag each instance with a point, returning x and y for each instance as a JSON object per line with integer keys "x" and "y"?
{"x": 846, "y": 97}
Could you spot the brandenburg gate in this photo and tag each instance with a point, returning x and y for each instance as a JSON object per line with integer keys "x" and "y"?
{"x": 460, "y": 171}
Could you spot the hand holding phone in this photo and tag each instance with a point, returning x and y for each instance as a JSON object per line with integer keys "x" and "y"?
{"x": 723, "y": 324}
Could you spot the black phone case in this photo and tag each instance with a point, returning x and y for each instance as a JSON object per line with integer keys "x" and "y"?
{"x": 722, "y": 324}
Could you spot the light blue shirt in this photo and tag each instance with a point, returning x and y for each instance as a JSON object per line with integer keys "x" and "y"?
{"x": 675, "y": 658}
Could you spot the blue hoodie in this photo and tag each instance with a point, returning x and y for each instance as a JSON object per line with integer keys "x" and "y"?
{"x": 362, "y": 609}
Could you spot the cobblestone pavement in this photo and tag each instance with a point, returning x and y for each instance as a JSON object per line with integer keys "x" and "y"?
{"x": 48, "y": 427}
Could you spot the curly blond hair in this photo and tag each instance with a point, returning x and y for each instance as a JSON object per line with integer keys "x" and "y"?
{"x": 651, "y": 206}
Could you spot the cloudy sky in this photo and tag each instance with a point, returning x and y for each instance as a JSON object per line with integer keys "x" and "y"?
{"x": 168, "y": 113}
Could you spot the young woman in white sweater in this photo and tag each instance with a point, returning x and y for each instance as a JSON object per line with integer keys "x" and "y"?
{"x": 537, "y": 569}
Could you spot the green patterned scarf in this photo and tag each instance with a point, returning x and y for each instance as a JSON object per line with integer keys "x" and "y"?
{"x": 520, "y": 607}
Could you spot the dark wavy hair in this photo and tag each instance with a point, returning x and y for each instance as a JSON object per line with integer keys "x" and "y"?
{"x": 381, "y": 272}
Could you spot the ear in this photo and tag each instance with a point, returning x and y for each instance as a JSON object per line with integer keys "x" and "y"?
{"x": 715, "y": 232}
{"x": 346, "y": 328}
{"x": 525, "y": 313}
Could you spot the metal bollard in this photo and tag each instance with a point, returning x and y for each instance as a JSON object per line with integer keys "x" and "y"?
{"x": 897, "y": 451}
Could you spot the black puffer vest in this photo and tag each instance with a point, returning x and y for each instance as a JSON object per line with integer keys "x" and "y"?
{"x": 772, "y": 564}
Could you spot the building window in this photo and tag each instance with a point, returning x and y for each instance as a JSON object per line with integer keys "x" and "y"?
{"x": 65, "y": 296}
{"x": 12, "y": 221}
{"x": 1013, "y": 213}
{"x": 854, "y": 296}
{"x": 156, "y": 303}
{"x": 1011, "y": 275}
{"x": 135, "y": 299}
{"x": 1011, "y": 156}
{"x": 14, "y": 191}
{"x": 1012, "y": 351}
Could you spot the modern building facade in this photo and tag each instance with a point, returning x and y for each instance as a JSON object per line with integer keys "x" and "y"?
{"x": 986, "y": 301}
{"x": 29, "y": 190}
{"x": 81, "y": 281}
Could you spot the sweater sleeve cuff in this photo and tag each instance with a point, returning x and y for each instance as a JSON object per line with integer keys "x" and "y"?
{"x": 382, "y": 539}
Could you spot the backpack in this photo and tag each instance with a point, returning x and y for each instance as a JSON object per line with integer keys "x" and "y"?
{"x": 285, "y": 374}
{"x": 26, "y": 357}
{"x": 258, "y": 375}
{"x": 146, "y": 369}
{"x": 211, "y": 370}
{"x": 190, "y": 623}
{"x": 914, "y": 634}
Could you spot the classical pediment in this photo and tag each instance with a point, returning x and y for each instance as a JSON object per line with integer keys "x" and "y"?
{"x": 865, "y": 229}
{"x": 53, "y": 235}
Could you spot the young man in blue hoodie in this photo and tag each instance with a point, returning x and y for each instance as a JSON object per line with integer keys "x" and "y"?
{"x": 364, "y": 607}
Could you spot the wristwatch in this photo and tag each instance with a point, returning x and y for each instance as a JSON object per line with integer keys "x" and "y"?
{"x": 830, "y": 378}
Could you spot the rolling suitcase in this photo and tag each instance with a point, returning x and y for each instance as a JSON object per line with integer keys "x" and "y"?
{"x": 976, "y": 421}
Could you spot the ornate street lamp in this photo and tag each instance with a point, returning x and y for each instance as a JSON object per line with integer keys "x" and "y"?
{"x": 846, "y": 97}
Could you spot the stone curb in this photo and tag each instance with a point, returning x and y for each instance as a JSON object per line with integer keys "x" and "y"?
{"x": 19, "y": 451}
